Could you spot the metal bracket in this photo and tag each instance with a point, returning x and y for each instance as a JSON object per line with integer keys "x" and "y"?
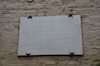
{"x": 72, "y": 54}
{"x": 70, "y": 15}
{"x": 28, "y": 54}
{"x": 30, "y": 17}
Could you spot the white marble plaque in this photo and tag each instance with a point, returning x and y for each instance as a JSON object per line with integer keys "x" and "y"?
{"x": 50, "y": 35}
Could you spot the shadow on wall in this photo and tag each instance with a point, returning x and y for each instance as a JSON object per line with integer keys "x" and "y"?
{"x": 98, "y": 64}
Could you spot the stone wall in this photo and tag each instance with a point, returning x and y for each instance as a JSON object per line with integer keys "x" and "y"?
{"x": 12, "y": 10}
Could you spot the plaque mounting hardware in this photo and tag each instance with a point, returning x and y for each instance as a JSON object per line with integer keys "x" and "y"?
{"x": 30, "y": 17}
{"x": 72, "y": 54}
{"x": 28, "y": 54}
{"x": 70, "y": 15}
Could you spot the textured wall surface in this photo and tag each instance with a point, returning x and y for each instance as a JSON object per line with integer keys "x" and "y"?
{"x": 12, "y": 10}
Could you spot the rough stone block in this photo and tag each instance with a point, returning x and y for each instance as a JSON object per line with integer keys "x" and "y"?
{"x": 72, "y": 63}
{"x": 49, "y": 63}
{"x": 33, "y": 6}
{"x": 22, "y": 1}
{"x": 62, "y": 64}
{"x": 11, "y": 1}
{"x": 15, "y": 6}
{"x": 1, "y": 7}
{"x": 13, "y": 65}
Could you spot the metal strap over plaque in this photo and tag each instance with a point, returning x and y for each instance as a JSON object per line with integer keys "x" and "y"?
{"x": 50, "y": 35}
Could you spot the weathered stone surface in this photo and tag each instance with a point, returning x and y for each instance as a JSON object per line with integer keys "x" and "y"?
{"x": 1, "y": 7}
{"x": 62, "y": 64}
{"x": 22, "y": 1}
{"x": 12, "y": 10}
{"x": 49, "y": 63}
